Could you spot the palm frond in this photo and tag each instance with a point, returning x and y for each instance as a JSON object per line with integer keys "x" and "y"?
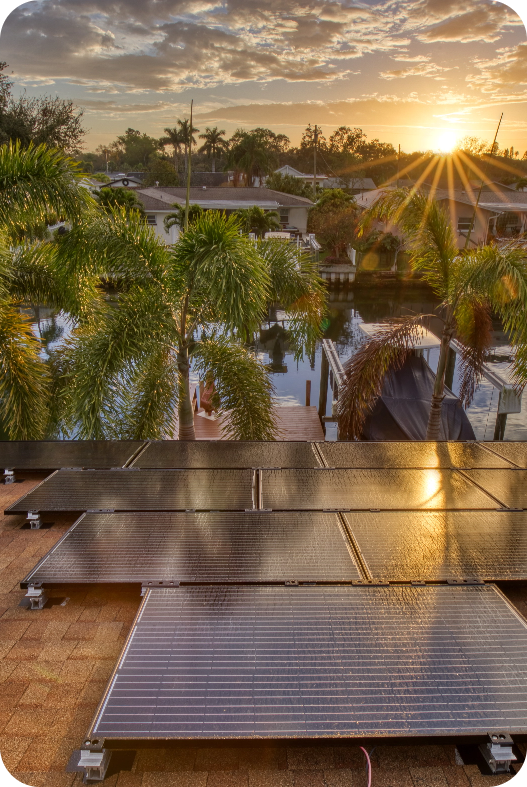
{"x": 99, "y": 353}
{"x": 365, "y": 372}
{"x": 499, "y": 274}
{"x": 244, "y": 388}
{"x": 36, "y": 181}
{"x": 426, "y": 225}
{"x": 150, "y": 396}
{"x": 112, "y": 243}
{"x": 297, "y": 286}
{"x": 473, "y": 327}
{"x": 213, "y": 264}
{"x": 24, "y": 378}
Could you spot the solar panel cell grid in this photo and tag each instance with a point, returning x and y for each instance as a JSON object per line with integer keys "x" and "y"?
{"x": 507, "y": 486}
{"x": 365, "y": 489}
{"x": 237, "y": 662}
{"x": 440, "y": 545}
{"x": 145, "y": 490}
{"x": 409, "y": 454}
{"x": 233, "y": 547}
{"x": 515, "y": 452}
{"x": 227, "y": 454}
{"x": 52, "y": 455}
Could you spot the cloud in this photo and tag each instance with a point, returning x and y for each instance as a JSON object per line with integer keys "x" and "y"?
{"x": 421, "y": 70}
{"x": 485, "y": 22}
{"x": 508, "y": 69}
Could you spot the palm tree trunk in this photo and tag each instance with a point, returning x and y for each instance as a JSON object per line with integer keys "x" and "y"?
{"x": 434, "y": 419}
{"x": 185, "y": 411}
{"x": 214, "y": 163}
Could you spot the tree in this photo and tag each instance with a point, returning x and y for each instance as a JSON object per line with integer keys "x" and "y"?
{"x": 162, "y": 173}
{"x": 187, "y": 137}
{"x": 178, "y": 217}
{"x": 126, "y": 370}
{"x": 471, "y": 285}
{"x": 257, "y": 220}
{"x": 333, "y": 219}
{"x": 214, "y": 143}
{"x": 250, "y": 153}
{"x": 288, "y": 184}
{"x": 134, "y": 149}
{"x": 45, "y": 120}
{"x": 346, "y": 139}
{"x": 109, "y": 198}
{"x": 174, "y": 137}
{"x": 34, "y": 182}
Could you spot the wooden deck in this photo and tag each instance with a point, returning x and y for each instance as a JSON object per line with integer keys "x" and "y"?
{"x": 294, "y": 423}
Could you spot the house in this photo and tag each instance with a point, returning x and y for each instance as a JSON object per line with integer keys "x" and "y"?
{"x": 499, "y": 213}
{"x": 294, "y": 173}
{"x": 354, "y": 185}
{"x": 159, "y": 202}
{"x": 125, "y": 181}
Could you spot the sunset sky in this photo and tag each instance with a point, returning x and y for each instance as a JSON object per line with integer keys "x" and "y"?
{"x": 415, "y": 72}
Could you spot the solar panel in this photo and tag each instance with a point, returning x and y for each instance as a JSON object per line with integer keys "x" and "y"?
{"x": 509, "y": 487}
{"x": 440, "y": 545}
{"x": 307, "y": 662}
{"x": 513, "y": 452}
{"x": 408, "y": 454}
{"x": 140, "y": 490}
{"x": 365, "y": 489}
{"x": 227, "y": 453}
{"x": 54, "y": 454}
{"x": 219, "y": 547}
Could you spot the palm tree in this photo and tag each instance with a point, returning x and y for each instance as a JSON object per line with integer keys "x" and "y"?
{"x": 214, "y": 143}
{"x": 471, "y": 284}
{"x": 34, "y": 183}
{"x": 174, "y": 137}
{"x": 257, "y": 220}
{"x": 126, "y": 369}
{"x": 251, "y": 155}
{"x": 187, "y": 137}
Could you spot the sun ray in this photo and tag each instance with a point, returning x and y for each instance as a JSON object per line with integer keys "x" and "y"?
{"x": 451, "y": 190}
{"x": 464, "y": 179}
{"x": 433, "y": 188}
{"x": 506, "y": 167}
{"x": 415, "y": 188}
{"x": 405, "y": 170}
{"x": 483, "y": 177}
{"x": 367, "y": 164}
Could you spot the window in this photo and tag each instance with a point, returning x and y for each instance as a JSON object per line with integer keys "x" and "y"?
{"x": 151, "y": 218}
{"x": 284, "y": 215}
{"x": 463, "y": 223}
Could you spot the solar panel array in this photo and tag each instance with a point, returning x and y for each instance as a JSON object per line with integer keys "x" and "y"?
{"x": 54, "y": 454}
{"x": 274, "y": 662}
{"x": 279, "y": 598}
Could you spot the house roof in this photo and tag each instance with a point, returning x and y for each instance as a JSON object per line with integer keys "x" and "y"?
{"x": 220, "y": 198}
{"x": 287, "y": 169}
{"x": 365, "y": 184}
{"x": 496, "y": 203}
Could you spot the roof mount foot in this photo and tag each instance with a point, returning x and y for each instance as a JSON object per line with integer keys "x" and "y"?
{"x": 95, "y": 764}
{"x": 498, "y": 752}
{"x": 37, "y": 597}
{"x": 9, "y": 476}
{"x": 33, "y": 520}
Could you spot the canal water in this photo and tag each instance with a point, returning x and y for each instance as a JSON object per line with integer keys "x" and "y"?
{"x": 346, "y": 310}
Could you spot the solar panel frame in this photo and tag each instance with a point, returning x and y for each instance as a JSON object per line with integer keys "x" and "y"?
{"x": 200, "y": 547}
{"x": 403, "y": 546}
{"x": 148, "y": 490}
{"x": 209, "y": 454}
{"x": 318, "y": 662}
{"x": 409, "y": 454}
{"x": 365, "y": 489}
{"x": 56, "y": 454}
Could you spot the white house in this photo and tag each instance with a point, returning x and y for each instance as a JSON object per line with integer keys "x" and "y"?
{"x": 159, "y": 202}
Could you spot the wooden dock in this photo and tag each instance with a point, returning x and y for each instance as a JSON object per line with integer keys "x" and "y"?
{"x": 294, "y": 423}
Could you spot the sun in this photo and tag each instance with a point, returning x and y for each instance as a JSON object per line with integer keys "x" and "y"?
{"x": 446, "y": 141}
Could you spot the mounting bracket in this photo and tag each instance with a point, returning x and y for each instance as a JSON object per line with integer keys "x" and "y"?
{"x": 498, "y": 752}
{"x": 34, "y": 520}
{"x": 95, "y": 764}
{"x": 37, "y": 597}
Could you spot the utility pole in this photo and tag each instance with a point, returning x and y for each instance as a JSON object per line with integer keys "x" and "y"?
{"x": 473, "y": 221}
{"x": 187, "y": 198}
{"x": 315, "y": 164}
{"x": 398, "y": 165}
